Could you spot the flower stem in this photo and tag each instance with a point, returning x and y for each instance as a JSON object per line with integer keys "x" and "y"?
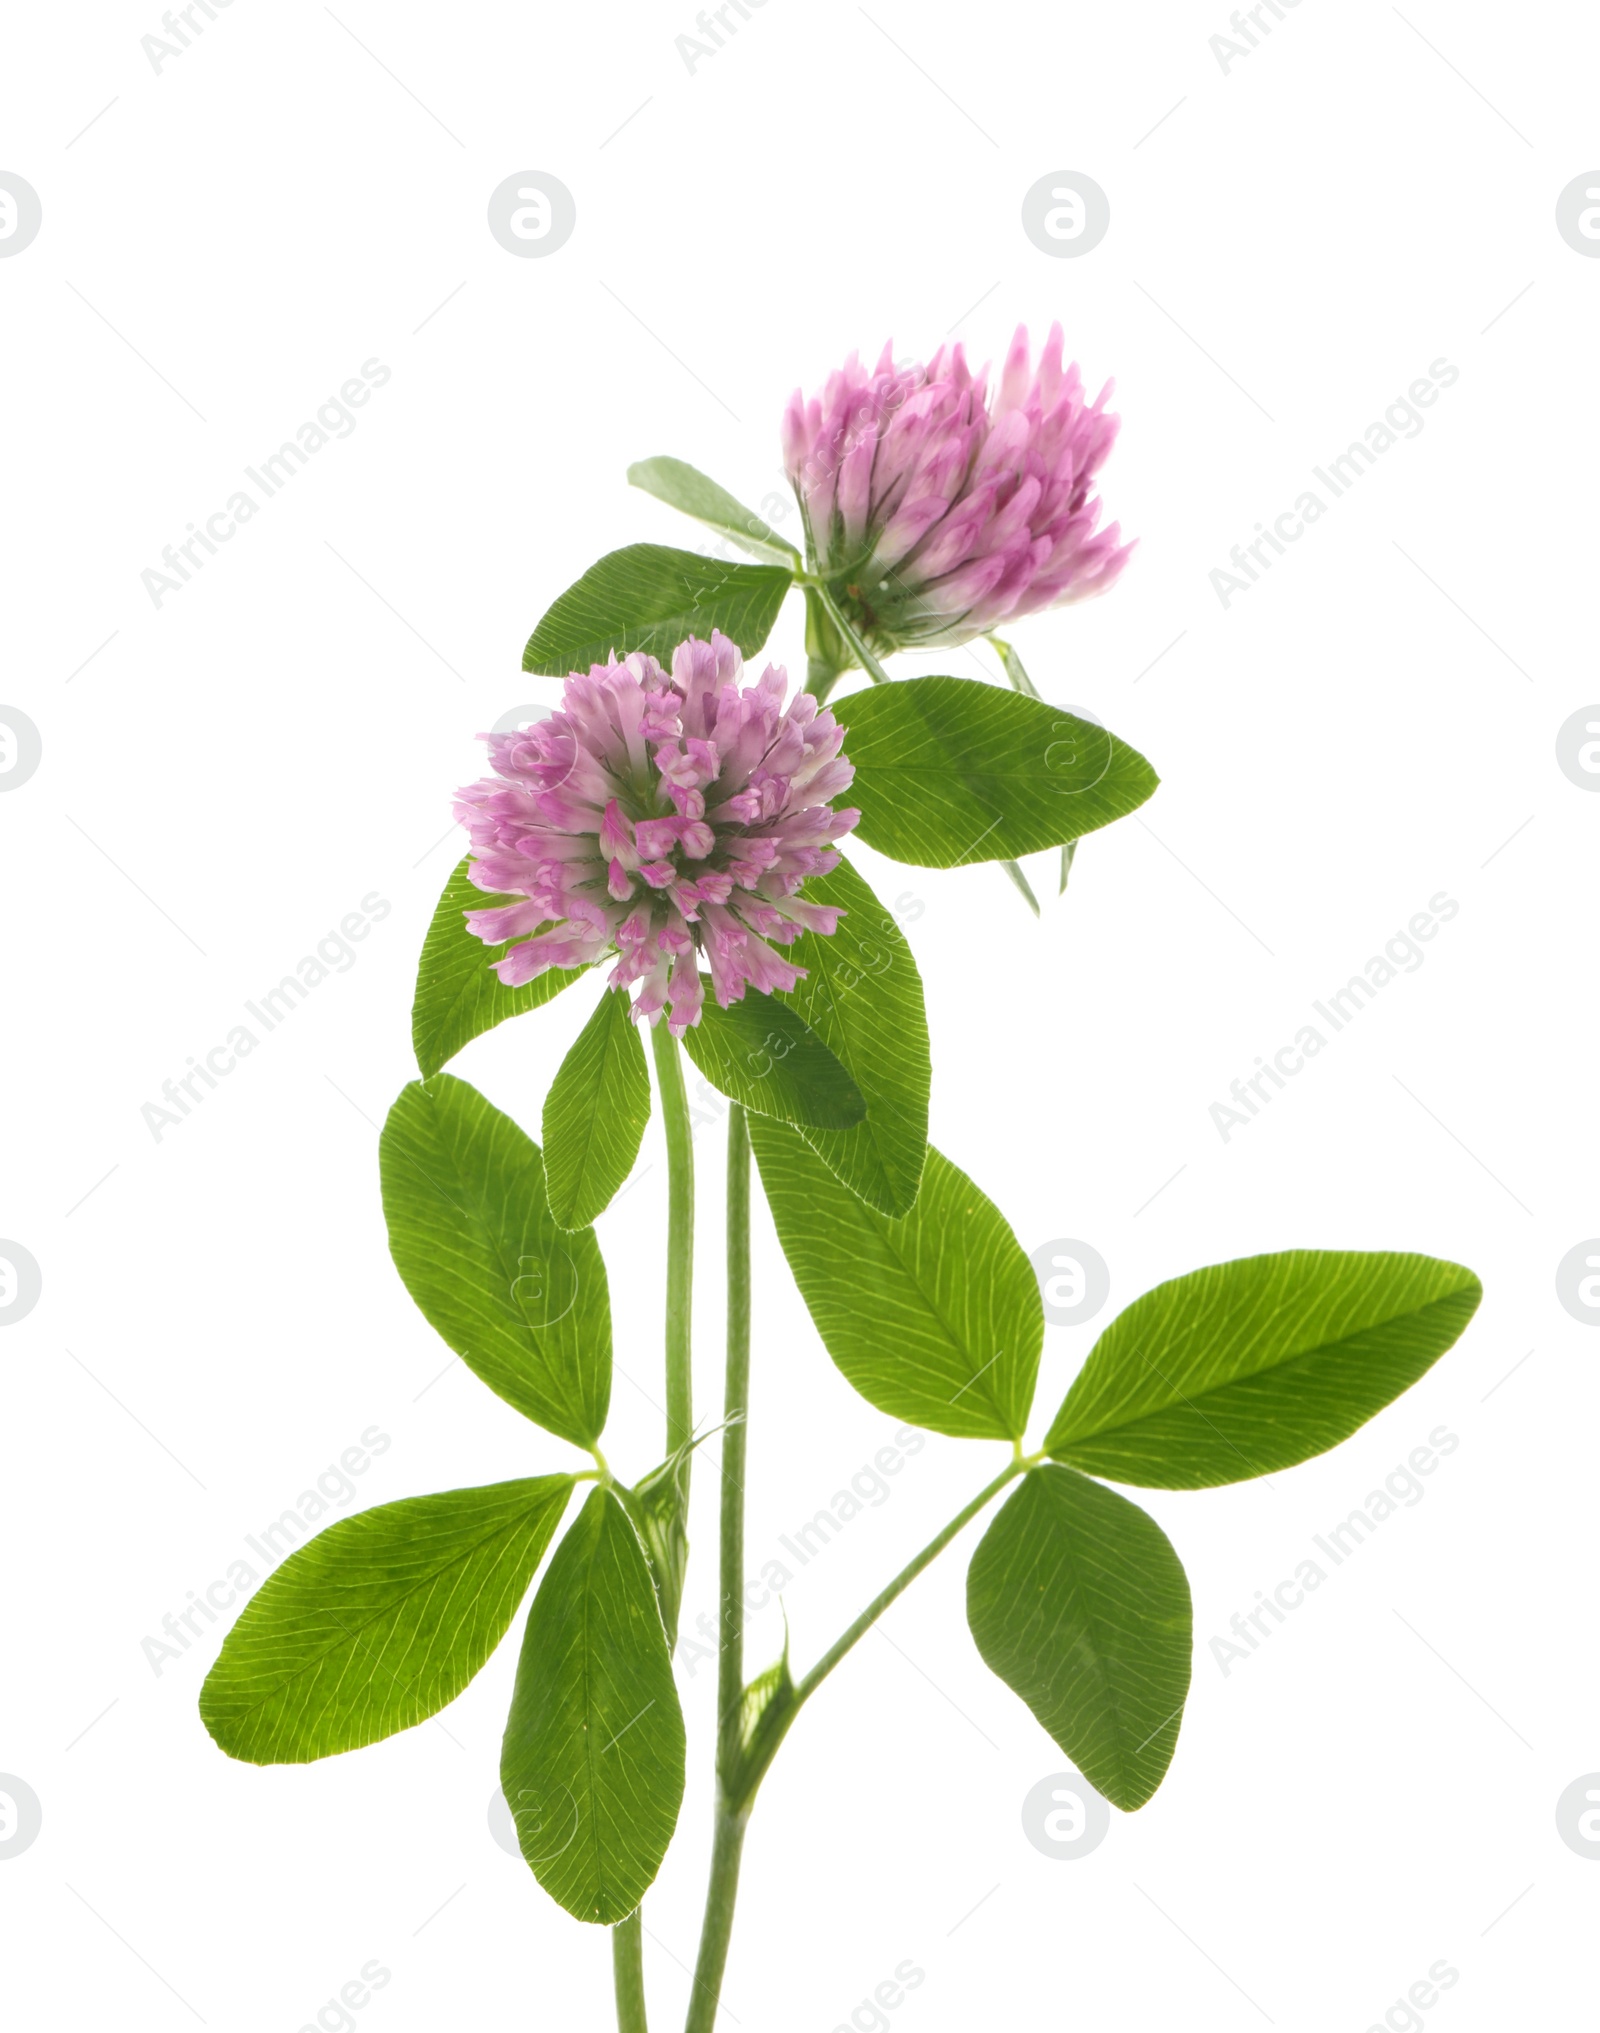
{"x": 717, "y": 1929}
{"x": 627, "y": 1966}
{"x": 680, "y": 1239}
{"x": 728, "y": 1834}
{"x": 627, "y": 1952}
{"x": 735, "y": 1410}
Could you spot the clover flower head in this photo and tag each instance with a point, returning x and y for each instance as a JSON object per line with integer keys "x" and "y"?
{"x": 665, "y": 818}
{"x": 938, "y": 509}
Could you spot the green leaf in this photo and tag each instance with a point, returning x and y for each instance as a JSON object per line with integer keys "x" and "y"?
{"x": 523, "y": 1304}
{"x": 950, "y": 771}
{"x": 761, "y": 1052}
{"x": 684, "y": 487}
{"x": 766, "y": 1710}
{"x": 595, "y": 1113}
{"x": 935, "y": 1318}
{"x": 862, "y": 995}
{"x": 593, "y": 1759}
{"x": 649, "y": 598}
{"x": 1078, "y": 1602}
{"x": 458, "y": 994}
{"x": 659, "y": 1511}
{"x": 1249, "y": 1366}
{"x": 379, "y": 1622}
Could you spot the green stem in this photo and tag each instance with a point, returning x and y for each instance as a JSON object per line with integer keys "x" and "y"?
{"x": 680, "y": 1240}
{"x": 627, "y": 1966}
{"x": 805, "y": 1688}
{"x": 728, "y": 1836}
{"x": 717, "y": 1930}
{"x": 738, "y": 1773}
{"x": 735, "y": 1410}
{"x": 627, "y": 1954}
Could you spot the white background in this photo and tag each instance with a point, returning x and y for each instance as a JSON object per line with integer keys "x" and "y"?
{"x": 1292, "y": 246}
